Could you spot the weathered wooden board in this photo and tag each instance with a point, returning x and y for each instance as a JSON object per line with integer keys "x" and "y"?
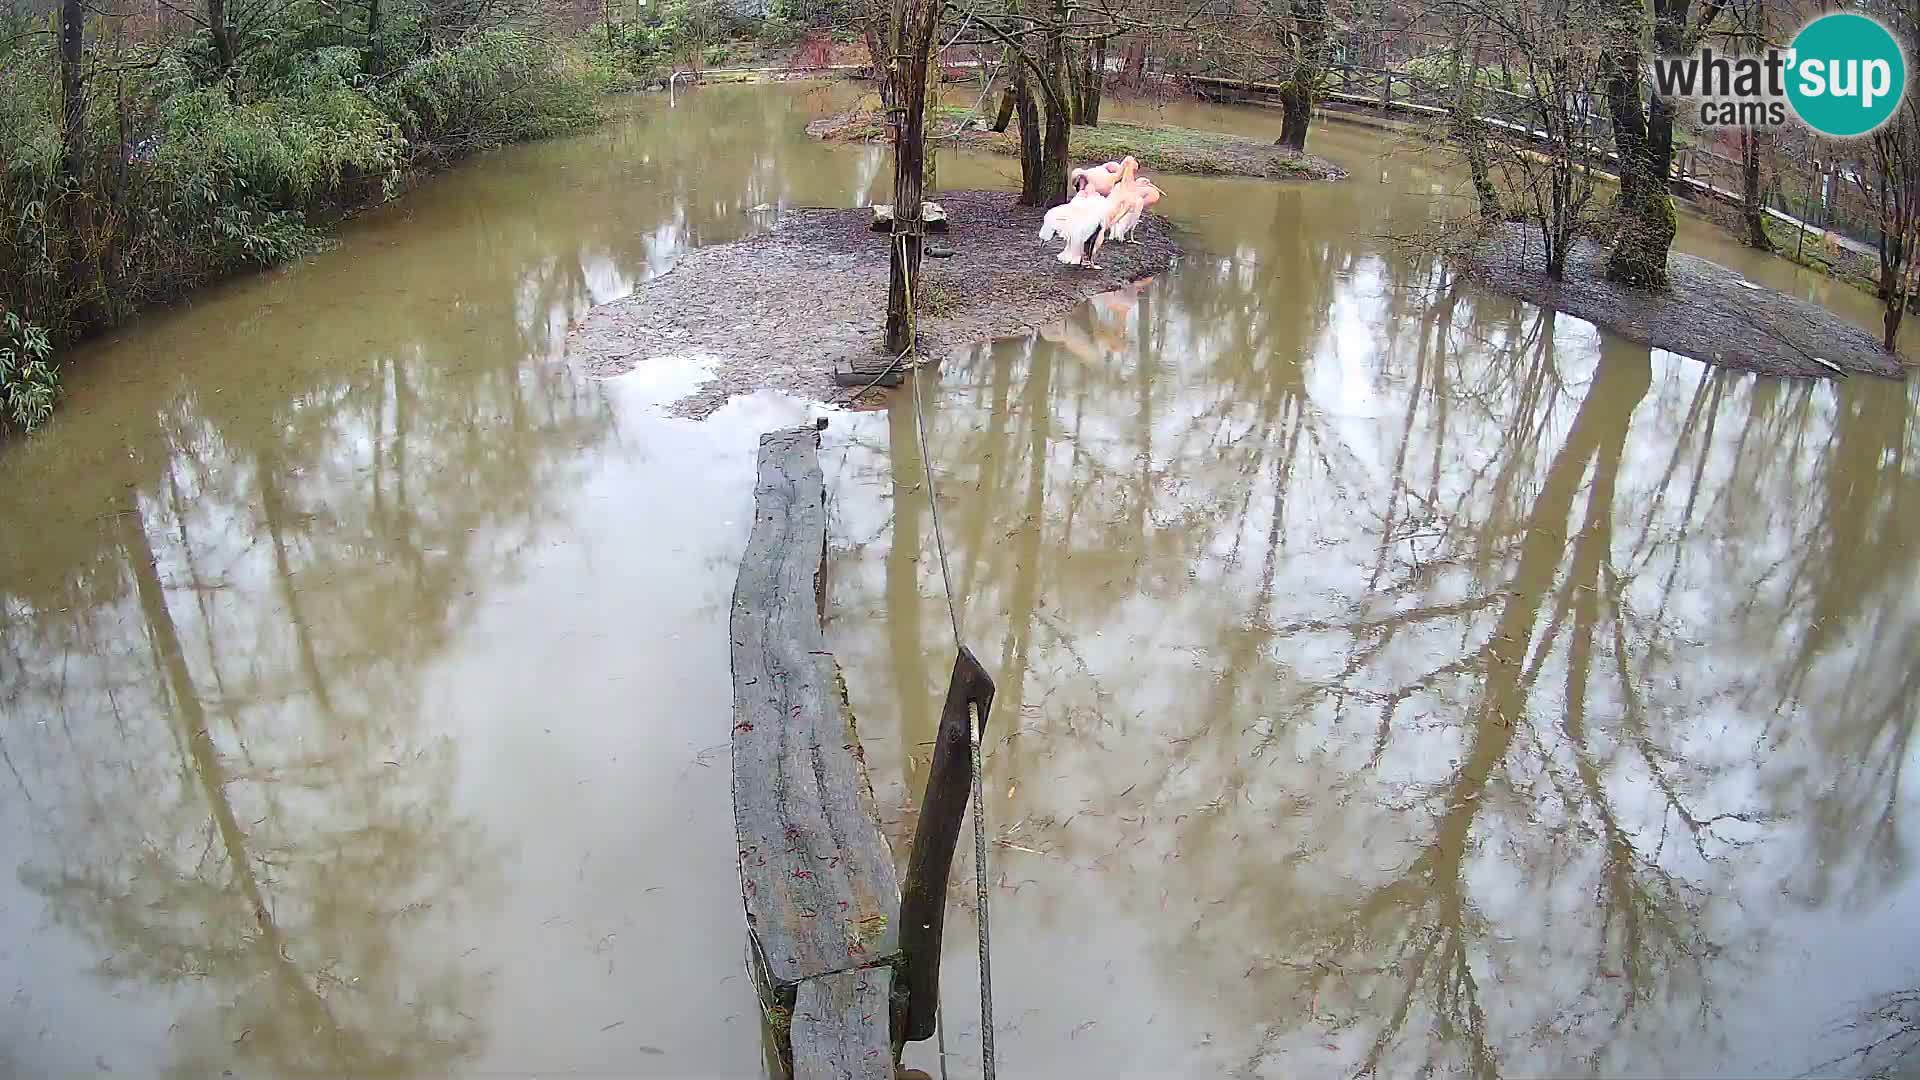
{"x": 817, "y": 874}
{"x": 923, "y": 909}
{"x": 840, "y": 1027}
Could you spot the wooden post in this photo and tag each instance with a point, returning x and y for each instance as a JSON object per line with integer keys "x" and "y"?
{"x": 1806, "y": 208}
{"x": 923, "y": 901}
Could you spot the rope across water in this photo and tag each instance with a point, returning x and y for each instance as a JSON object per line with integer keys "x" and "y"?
{"x": 973, "y": 716}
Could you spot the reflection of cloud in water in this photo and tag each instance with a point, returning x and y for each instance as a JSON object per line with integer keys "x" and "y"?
{"x": 662, "y": 380}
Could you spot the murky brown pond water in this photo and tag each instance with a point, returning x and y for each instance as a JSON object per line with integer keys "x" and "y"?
{"x": 1391, "y": 674}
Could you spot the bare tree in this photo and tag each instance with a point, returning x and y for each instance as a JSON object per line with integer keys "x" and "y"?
{"x": 1894, "y": 183}
{"x": 1540, "y": 168}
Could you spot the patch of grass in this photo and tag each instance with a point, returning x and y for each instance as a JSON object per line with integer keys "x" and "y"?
{"x": 1849, "y": 267}
{"x": 934, "y": 298}
{"x": 1166, "y": 149}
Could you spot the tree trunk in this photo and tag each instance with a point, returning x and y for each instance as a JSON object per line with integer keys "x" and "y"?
{"x": 1086, "y": 83}
{"x": 1466, "y": 129}
{"x": 1059, "y": 118}
{"x": 222, "y": 31}
{"x": 878, "y": 56}
{"x": 1309, "y": 65}
{"x": 1031, "y": 191}
{"x": 373, "y": 63}
{"x": 1644, "y": 220}
{"x": 1296, "y": 109}
{"x": 1643, "y": 138}
{"x": 1053, "y": 158}
{"x": 1005, "y": 116}
{"x": 1070, "y": 82}
{"x": 1091, "y": 89}
{"x": 1752, "y": 206}
{"x": 1896, "y": 261}
{"x": 930, "y": 164}
{"x": 81, "y": 282}
{"x": 914, "y": 31}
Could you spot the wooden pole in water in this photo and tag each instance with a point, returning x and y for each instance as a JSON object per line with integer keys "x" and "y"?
{"x": 923, "y": 900}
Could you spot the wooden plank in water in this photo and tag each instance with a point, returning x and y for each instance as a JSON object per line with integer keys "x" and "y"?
{"x": 817, "y": 874}
{"x": 840, "y": 1027}
{"x": 869, "y": 371}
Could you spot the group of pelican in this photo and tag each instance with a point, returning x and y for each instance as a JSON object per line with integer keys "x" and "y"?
{"x": 1108, "y": 200}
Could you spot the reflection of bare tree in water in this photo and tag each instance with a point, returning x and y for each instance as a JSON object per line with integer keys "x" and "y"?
{"x": 1485, "y": 691}
{"x": 237, "y": 799}
{"x": 1421, "y": 932}
{"x": 1886, "y": 1038}
{"x": 269, "y": 874}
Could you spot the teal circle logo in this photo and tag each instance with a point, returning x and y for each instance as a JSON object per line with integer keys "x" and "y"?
{"x": 1848, "y": 74}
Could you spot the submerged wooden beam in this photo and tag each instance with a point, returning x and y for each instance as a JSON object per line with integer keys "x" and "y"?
{"x": 949, "y": 783}
{"x": 816, "y": 873}
{"x": 869, "y": 371}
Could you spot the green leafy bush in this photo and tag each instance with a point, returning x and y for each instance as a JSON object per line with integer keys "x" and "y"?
{"x": 778, "y": 30}
{"x": 29, "y": 381}
{"x": 499, "y": 87}
{"x": 636, "y": 56}
{"x": 183, "y": 177}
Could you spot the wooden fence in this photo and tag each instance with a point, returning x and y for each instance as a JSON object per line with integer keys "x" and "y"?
{"x": 1824, "y": 203}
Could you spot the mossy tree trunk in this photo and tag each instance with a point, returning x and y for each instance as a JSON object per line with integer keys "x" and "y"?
{"x": 1096, "y": 90}
{"x": 1297, "y": 94}
{"x": 1466, "y": 128}
{"x": 1644, "y": 220}
{"x": 1070, "y": 72}
{"x": 1643, "y": 136}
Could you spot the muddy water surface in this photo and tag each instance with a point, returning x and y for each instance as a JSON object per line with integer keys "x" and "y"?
{"x": 1399, "y": 677}
{"x": 1391, "y": 675}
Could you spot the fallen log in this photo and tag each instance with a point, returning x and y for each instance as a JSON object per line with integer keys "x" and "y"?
{"x": 816, "y": 873}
